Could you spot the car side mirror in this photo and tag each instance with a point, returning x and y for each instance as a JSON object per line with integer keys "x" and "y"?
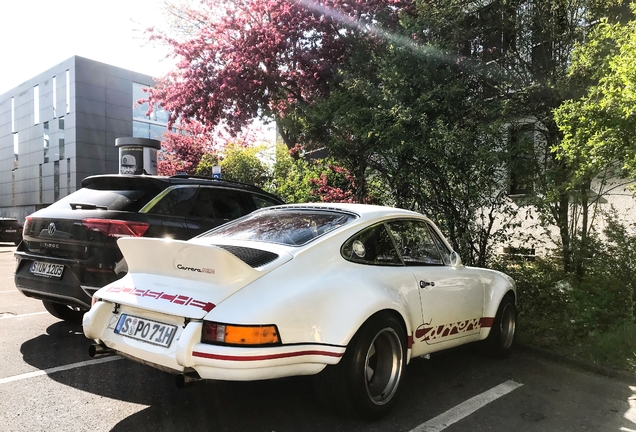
{"x": 455, "y": 259}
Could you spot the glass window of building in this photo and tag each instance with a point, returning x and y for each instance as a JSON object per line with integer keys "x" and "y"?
{"x": 54, "y": 97}
{"x": 68, "y": 91}
{"x": 36, "y": 104}
{"x": 46, "y": 141}
{"x": 12, "y": 115}
{"x": 16, "y": 145}
{"x": 60, "y": 135}
{"x": 139, "y": 110}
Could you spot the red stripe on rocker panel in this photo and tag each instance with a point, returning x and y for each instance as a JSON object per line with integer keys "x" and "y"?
{"x": 263, "y": 357}
{"x": 486, "y": 322}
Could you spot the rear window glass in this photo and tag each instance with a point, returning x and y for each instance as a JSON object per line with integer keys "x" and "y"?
{"x": 289, "y": 227}
{"x": 125, "y": 200}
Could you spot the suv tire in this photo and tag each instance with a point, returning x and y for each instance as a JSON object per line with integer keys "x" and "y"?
{"x": 71, "y": 314}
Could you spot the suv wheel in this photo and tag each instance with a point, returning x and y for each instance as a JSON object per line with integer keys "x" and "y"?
{"x": 72, "y": 314}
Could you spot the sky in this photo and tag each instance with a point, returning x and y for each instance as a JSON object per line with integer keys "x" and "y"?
{"x": 38, "y": 34}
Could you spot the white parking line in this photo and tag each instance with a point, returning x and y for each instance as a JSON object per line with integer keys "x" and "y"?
{"x": 13, "y": 291}
{"x": 466, "y": 408}
{"x": 57, "y": 369}
{"x": 22, "y": 315}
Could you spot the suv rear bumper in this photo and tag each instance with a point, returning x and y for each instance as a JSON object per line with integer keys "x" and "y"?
{"x": 67, "y": 289}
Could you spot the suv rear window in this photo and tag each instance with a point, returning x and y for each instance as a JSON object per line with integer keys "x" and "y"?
{"x": 116, "y": 199}
{"x": 291, "y": 227}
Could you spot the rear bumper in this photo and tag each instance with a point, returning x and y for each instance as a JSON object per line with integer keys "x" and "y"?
{"x": 214, "y": 362}
{"x": 71, "y": 288}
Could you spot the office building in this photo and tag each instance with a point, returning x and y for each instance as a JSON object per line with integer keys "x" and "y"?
{"x": 60, "y": 126}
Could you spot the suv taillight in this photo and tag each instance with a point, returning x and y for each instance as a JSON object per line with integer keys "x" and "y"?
{"x": 116, "y": 228}
{"x": 25, "y": 229}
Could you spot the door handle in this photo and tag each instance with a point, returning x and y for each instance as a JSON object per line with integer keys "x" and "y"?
{"x": 424, "y": 284}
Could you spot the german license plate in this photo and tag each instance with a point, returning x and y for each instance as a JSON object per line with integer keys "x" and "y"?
{"x": 145, "y": 330}
{"x": 46, "y": 269}
{"x": 10, "y": 231}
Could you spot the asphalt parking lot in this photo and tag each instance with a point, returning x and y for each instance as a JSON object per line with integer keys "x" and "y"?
{"x": 49, "y": 383}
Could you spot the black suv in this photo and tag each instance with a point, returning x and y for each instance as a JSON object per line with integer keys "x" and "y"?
{"x": 69, "y": 249}
{"x": 10, "y": 230}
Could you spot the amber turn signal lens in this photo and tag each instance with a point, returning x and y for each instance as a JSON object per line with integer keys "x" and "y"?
{"x": 240, "y": 335}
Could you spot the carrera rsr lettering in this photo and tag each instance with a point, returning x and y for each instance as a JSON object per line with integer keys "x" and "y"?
{"x": 195, "y": 269}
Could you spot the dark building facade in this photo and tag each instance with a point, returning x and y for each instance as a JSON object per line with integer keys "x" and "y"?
{"x": 61, "y": 126}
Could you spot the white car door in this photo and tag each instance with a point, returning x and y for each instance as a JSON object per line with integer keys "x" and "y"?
{"x": 452, "y": 298}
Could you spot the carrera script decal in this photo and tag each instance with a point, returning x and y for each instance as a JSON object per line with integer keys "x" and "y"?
{"x": 428, "y": 333}
{"x": 196, "y": 269}
{"x": 160, "y": 295}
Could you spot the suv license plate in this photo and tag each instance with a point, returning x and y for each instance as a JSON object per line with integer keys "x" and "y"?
{"x": 145, "y": 330}
{"x": 47, "y": 269}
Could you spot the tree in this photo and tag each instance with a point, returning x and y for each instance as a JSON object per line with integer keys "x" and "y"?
{"x": 244, "y": 164}
{"x": 182, "y": 151}
{"x": 599, "y": 129}
{"x": 245, "y": 59}
{"x": 403, "y": 115}
{"x": 528, "y": 47}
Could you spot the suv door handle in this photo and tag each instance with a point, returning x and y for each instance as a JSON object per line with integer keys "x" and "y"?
{"x": 424, "y": 284}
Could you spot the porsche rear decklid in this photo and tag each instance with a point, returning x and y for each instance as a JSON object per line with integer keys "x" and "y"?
{"x": 184, "y": 278}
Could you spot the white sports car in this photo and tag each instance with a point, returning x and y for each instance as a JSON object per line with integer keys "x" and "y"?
{"x": 347, "y": 292}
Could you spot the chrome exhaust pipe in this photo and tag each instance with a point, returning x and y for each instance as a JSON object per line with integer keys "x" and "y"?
{"x": 186, "y": 379}
{"x": 100, "y": 350}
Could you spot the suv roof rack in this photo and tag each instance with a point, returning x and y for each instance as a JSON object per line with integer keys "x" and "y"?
{"x": 201, "y": 177}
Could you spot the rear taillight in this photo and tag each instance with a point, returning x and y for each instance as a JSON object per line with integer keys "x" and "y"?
{"x": 116, "y": 228}
{"x": 229, "y": 334}
{"x": 25, "y": 229}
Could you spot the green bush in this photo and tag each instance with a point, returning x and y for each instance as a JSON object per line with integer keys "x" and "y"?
{"x": 588, "y": 313}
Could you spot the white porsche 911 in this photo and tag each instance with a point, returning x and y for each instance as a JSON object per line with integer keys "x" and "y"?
{"x": 346, "y": 292}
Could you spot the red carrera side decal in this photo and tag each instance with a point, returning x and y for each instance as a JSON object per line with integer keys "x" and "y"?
{"x": 426, "y": 332}
{"x": 264, "y": 357}
{"x": 159, "y": 295}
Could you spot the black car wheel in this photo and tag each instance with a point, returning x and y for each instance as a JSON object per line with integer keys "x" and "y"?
{"x": 367, "y": 379}
{"x": 72, "y": 314}
{"x": 502, "y": 335}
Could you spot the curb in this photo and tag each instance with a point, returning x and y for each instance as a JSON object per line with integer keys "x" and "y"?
{"x": 623, "y": 376}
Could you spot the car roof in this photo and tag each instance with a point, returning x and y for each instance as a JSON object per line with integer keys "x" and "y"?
{"x": 163, "y": 182}
{"x": 363, "y": 211}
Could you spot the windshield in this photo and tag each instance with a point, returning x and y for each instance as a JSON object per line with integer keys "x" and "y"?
{"x": 291, "y": 227}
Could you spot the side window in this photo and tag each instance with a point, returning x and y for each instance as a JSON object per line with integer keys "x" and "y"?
{"x": 371, "y": 246}
{"x": 203, "y": 204}
{"x": 414, "y": 241}
{"x": 175, "y": 202}
{"x": 261, "y": 201}
{"x": 445, "y": 252}
{"x": 219, "y": 204}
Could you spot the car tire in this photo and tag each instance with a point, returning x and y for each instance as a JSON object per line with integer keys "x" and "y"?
{"x": 366, "y": 382}
{"x": 71, "y": 314}
{"x": 501, "y": 338}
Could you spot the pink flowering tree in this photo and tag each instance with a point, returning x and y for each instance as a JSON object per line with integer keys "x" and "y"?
{"x": 241, "y": 60}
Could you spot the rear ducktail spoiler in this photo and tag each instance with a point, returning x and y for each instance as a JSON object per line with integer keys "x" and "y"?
{"x": 182, "y": 259}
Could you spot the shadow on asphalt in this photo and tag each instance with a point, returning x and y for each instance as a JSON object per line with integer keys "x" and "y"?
{"x": 430, "y": 387}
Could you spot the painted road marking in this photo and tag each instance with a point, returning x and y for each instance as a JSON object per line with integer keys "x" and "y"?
{"x": 9, "y": 315}
{"x": 57, "y": 369}
{"x": 466, "y": 408}
{"x": 12, "y": 291}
